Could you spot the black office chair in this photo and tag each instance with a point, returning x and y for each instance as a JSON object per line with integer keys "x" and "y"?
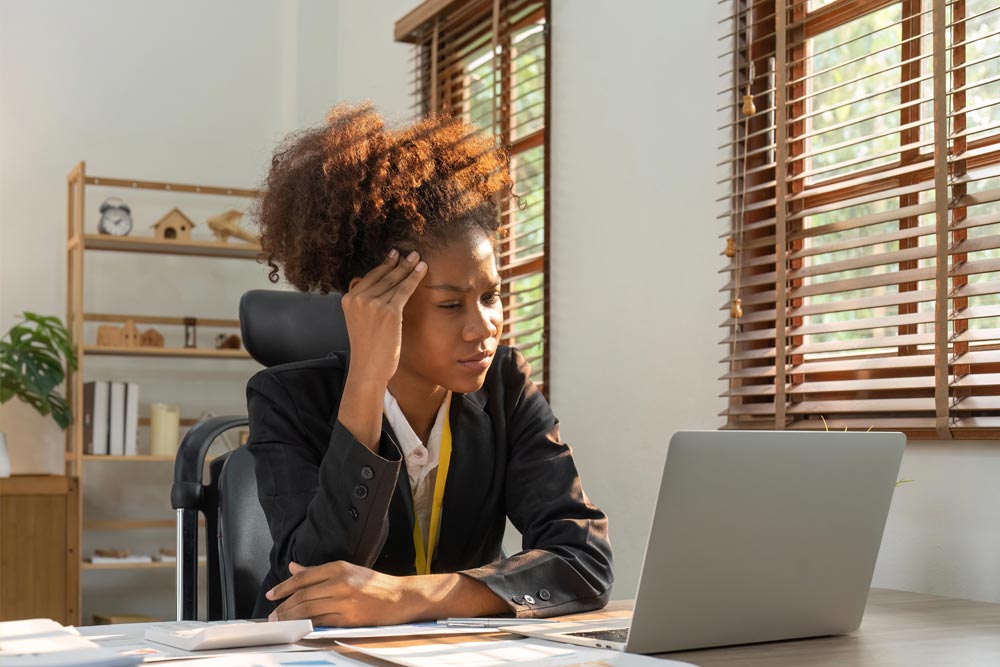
{"x": 278, "y": 327}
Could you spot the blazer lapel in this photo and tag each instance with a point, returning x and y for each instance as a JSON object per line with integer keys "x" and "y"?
{"x": 469, "y": 475}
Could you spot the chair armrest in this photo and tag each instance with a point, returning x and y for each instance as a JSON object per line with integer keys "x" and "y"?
{"x": 189, "y": 465}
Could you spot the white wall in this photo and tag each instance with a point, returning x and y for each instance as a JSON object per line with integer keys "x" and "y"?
{"x": 635, "y": 247}
{"x": 635, "y": 240}
{"x": 182, "y": 91}
{"x": 633, "y": 219}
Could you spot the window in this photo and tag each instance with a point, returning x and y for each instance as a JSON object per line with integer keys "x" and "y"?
{"x": 865, "y": 216}
{"x": 487, "y": 62}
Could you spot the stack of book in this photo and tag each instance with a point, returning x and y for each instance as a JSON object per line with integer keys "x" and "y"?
{"x": 110, "y": 418}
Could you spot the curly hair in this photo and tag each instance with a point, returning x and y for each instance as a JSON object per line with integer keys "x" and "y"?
{"x": 339, "y": 196}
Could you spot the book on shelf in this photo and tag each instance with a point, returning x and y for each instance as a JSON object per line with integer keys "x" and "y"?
{"x": 96, "y": 415}
{"x": 131, "y": 418}
{"x": 116, "y": 427}
{"x": 124, "y": 419}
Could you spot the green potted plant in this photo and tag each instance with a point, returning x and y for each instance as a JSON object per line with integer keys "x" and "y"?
{"x": 33, "y": 355}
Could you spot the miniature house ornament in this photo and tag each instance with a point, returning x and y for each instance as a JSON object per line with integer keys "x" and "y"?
{"x": 174, "y": 226}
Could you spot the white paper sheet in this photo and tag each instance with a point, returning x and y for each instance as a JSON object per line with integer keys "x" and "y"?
{"x": 129, "y": 639}
{"x": 44, "y": 642}
{"x": 312, "y": 659}
{"x": 431, "y": 628}
{"x": 478, "y": 653}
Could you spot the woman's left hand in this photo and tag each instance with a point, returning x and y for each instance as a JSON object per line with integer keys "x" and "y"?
{"x": 342, "y": 594}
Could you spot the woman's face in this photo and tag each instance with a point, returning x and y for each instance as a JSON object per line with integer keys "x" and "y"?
{"x": 452, "y": 323}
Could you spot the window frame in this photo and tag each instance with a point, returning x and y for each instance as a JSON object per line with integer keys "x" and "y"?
{"x": 441, "y": 83}
{"x": 787, "y": 26}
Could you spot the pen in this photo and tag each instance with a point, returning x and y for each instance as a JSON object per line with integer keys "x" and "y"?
{"x": 488, "y": 622}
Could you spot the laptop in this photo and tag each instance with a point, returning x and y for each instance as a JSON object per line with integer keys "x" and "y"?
{"x": 756, "y": 536}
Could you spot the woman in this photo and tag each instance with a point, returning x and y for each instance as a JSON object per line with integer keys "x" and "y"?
{"x": 386, "y": 474}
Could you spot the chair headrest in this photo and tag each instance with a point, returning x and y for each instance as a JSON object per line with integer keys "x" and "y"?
{"x": 281, "y": 327}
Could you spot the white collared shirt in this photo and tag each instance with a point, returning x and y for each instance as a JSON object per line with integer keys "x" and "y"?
{"x": 421, "y": 461}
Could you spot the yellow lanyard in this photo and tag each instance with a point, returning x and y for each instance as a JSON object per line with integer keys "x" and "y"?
{"x": 424, "y": 556}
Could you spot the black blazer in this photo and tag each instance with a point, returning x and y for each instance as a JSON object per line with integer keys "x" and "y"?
{"x": 327, "y": 497}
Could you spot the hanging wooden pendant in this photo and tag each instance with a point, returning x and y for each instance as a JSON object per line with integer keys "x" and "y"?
{"x": 748, "y": 106}
{"x": 731, "y": 247}
{"x": 736, "y": 308}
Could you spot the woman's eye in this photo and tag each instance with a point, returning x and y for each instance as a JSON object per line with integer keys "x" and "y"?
{"x": 491, "y": 298}
{"x": 449, "y": 306}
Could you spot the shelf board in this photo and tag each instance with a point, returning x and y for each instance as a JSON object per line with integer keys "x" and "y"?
{"x": 130, "y": 524}
{"x": 197, "y": 352}
{"x": 156, "y": 319}
{"x": 155, "y": 565}
{"x": 137, "y": 457}
{"x": 184, "y": 421}
{"x": 165, "y": 247}
{"x": 168, "y": 187}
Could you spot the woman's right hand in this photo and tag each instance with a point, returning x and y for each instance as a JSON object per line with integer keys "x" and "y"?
{"x": 373, "y": 309}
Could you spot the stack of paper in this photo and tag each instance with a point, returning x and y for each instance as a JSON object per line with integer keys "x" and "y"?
{"x": 40, "y": 641}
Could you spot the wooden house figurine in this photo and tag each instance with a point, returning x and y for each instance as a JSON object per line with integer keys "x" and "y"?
{"x": 130, "y": 334}
{"x": 109, "y": 335}
{"x": 174, "y": 226}
{"x": 151, "y": 338}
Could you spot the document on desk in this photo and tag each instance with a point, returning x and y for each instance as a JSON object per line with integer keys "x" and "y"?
{"x": 128, "y": 639}
{"x": 405, "y": 630}
{"x": 486, "y": 652}
{"x": 256, "y": 659}
{"x": 42, "y": 641}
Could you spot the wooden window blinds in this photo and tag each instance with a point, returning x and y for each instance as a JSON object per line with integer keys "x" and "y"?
{"x": 864, "y": 206}
{"x": 487, "y": 61}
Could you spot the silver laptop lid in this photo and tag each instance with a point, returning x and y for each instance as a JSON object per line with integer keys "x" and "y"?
{"x": 763, "y": 535}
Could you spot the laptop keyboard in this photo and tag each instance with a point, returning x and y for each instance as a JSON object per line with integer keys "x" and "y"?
{"x": 616, "y": 635}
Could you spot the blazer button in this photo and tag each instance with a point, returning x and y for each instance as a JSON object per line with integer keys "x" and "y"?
{"x": 367, "y": 472}
{"x": 529, "y": 599}
{"x": 353, "y": 511}
{"x": 544, "y": 595}
{"x": 361, "y": 491}
{"x": 518, "y": 599}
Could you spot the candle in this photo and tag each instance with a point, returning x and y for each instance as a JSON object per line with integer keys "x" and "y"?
{"x": 164, "y": 429}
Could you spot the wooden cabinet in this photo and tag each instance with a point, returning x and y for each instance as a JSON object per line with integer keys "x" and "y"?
{"x": 39, "y": 537}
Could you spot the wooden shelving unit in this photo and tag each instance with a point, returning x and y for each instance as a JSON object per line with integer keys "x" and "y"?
{"x": 79, "y": 242}
{"x": 165, "y": 352}
{"x": 194, "y": 248}
{"x": 155, "y": 565}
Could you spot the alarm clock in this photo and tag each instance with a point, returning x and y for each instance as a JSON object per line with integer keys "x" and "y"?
{"x": 116, "y": 218}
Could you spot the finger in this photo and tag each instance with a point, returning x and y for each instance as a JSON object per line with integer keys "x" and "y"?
{"x": 389, "y": 281}
{"x": 307, "y": 576}
{"x": 329, "y": 620}
{"x": 408, "y": 286}
{"x": 376, "y": 274}
{"x": 315, "y": 608}
{"x": 303, "y": 610}
{"x": 323, "y": 590}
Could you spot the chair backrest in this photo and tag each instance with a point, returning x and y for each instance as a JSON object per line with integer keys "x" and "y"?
{"x": 281, "y": 327}
{"x": 278, "y": 327}
{"x": 244, "y": 539}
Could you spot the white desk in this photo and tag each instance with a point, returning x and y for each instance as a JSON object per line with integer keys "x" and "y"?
{"x": 898, "y": 629}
